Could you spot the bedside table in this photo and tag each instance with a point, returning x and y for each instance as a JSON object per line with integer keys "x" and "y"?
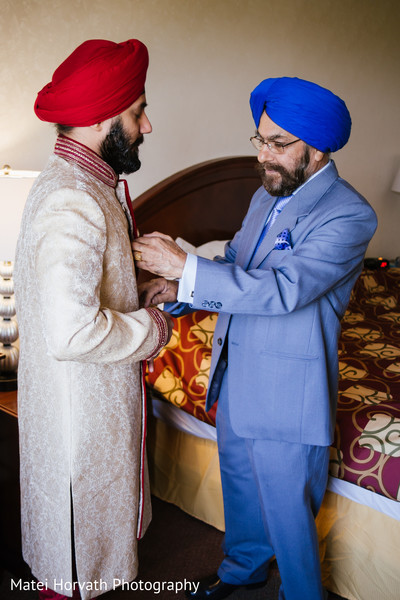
{"x": 8, "y": 403}
{"x": 10, "y": 512}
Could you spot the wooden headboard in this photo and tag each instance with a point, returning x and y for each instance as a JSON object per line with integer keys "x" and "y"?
{"x": 201, "y": 203}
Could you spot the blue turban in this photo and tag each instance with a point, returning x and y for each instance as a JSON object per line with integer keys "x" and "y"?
{"x": 304, "y": 109}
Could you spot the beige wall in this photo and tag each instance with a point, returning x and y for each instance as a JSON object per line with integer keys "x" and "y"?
{"x": 205, "y": 58}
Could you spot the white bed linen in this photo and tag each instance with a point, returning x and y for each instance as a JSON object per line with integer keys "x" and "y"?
{"x": 188, "y": 424}
{"x": 388, "y": 507}
{"x": 182, "y": 420}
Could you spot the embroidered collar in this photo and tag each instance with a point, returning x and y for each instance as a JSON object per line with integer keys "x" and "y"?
{"x": 88, "y": 160}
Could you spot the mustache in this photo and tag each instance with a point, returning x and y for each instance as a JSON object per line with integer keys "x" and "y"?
{"x": 261, "y": 167}
{"x": 138, "y": 141}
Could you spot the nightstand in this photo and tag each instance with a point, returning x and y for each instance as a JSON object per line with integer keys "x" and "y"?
{"x": 8, "y": 403}
{"x": 10, "y": 512}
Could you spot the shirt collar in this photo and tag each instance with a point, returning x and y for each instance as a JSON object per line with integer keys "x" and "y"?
{"x": 86, "y": 158}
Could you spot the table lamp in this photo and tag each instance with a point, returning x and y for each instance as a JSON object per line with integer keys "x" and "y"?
{"x": 14, "y": 189}
{"x": 396, "y": 182}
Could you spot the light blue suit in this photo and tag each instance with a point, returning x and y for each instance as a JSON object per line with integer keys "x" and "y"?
{"x": 279, "y": 320}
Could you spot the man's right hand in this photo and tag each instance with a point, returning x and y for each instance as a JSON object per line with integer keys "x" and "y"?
{"x": 157, "y": 291}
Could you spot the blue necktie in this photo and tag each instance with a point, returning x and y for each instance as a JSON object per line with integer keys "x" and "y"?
{"x": 278, "y": 207}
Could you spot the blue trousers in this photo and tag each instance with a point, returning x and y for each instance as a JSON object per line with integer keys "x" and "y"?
{"x": 272, "y": 493}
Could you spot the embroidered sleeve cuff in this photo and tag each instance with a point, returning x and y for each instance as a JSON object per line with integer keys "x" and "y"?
{"x": 162, "y": 328}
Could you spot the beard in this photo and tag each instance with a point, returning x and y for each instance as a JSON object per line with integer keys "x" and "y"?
{"x": 289, "y": 180}
{"x": 118, "y": 151}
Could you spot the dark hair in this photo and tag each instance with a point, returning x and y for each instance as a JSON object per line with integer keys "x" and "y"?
{"x": 63, "y": 129}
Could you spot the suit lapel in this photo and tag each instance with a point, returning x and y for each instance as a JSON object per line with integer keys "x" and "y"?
{"x": 286, "y": 220}
{"x": 252, "y": 231}
{"x": 298, "y": 207}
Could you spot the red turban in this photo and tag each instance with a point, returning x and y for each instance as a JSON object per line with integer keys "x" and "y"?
{"x": 99, "y": 80}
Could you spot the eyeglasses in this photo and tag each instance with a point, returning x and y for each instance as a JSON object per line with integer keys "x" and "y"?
{"x": 274, "y": 147}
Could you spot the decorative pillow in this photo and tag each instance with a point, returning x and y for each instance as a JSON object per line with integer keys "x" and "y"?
{"x": 204, "y": 329}
{"x": 182, "y": 368}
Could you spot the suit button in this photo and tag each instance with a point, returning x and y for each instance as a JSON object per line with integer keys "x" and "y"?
{"x": 219, "y": 341}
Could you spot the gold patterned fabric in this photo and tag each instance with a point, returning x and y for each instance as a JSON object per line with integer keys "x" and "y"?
{"x": 366, "y": 450}
{"x": 182, "y": 368}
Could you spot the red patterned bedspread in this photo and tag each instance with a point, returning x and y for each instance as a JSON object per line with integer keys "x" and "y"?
{"x": 366, "y": 450}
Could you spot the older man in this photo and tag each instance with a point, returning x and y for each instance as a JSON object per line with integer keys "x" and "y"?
{"x": 83, "y": 336}
{"x": 280, "y": 291}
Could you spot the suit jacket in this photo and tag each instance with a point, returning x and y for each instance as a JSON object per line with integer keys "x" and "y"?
{"x": 282, "y": 309}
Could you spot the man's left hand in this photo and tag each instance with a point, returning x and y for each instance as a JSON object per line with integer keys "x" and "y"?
{"x": 159, "y": 254}
{"x": 157, "y": 291}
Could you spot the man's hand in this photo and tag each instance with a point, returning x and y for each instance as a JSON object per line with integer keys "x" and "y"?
{"x": 156, "y": 291}
{"x": 159, "y": 254}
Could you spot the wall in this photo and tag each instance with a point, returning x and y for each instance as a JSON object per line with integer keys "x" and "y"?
{"x": 205, "y": 58}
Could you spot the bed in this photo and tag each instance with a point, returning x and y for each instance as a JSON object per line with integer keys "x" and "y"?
{"x": 359, "y": 522}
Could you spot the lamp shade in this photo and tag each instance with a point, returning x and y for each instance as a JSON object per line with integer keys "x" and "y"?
{"x": 14, "y": 190}
{"x": 396, "y": 182}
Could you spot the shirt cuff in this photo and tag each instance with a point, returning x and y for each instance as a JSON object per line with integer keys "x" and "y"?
{"x": 188, "y": 279}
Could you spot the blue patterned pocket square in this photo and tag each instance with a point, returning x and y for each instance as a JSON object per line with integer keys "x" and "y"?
{"x": 283, "y": 241}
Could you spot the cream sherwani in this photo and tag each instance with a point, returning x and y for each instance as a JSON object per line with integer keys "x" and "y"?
{"x": 82, "y": 338}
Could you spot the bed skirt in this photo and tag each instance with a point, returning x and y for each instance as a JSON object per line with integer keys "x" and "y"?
{"x": 359, "y": 546}
{"x": 184, "y": 470}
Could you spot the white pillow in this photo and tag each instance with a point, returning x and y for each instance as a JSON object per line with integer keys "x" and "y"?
{"x": 207, "y": 250}
{"x": 186, "y": 246}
